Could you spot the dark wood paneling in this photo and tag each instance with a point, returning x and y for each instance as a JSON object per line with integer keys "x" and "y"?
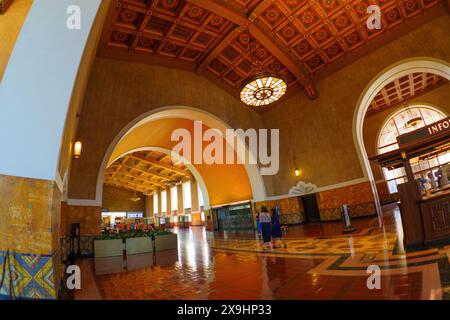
{"x": 410, "y": 212}
{"x": 436, "y": 218}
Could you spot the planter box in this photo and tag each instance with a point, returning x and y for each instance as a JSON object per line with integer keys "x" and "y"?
{"x": 139, "y": 245}
{"x": 166, "y": 242}
{"x": 108, "y": 248}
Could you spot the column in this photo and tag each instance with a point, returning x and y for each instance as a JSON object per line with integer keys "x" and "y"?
{"x": 194, "y": 196}
{"x": 180, "y": 205}
{"x": 196, "y": 214}
{"x": 148, "y": 206}
{"x": 168, "y": 202}
{"x": 169, "y": 207}
{"x": 35, "y": 94}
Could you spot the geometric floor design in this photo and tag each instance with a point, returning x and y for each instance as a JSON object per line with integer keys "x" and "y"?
{"x": 329, "y": 265}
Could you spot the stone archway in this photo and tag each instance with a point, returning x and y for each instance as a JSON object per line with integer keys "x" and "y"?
{"x": 172, "y": 112}
{"x": 395, "y": 71}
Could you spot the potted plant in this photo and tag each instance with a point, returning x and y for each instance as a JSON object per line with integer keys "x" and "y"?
{"x": 138, "y": 242}
{"x": 108, "y": 245}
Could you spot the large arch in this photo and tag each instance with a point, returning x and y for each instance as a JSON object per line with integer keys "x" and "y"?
{"x": 166, "y": 113}
{"x": 198, "y": 177}
{"x": 395, "y": 71}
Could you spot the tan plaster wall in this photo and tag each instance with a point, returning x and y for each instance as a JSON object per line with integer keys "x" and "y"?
{"x": 10, "y": 25}
{"x": 319, "y": 132}
{"x": 118, "y": 92}
{"x": 89, "y": 218}
{"x": 440, "y": 97}
{"x": 118, "y": 200}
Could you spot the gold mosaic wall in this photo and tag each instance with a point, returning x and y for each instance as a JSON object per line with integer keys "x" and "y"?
{"x": 29, "y": 215}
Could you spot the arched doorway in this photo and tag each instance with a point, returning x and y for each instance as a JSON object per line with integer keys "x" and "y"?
{"x": 403, "y": 120}
{"x": 400, "y": 69}
{"x": 170, "y": 118}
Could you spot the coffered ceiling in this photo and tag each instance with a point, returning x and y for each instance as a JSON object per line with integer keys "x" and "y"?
{"x": 145, "y": 172}
{"x": 302, "y": 40}
{"x": 404, "y": 89}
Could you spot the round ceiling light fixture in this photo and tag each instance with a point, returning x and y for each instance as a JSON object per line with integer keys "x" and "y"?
{"x": 414, "y": 122}
{"x": 263, "y": 89}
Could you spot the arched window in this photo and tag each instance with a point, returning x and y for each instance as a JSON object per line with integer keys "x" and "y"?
{"x": 405, "y": 120}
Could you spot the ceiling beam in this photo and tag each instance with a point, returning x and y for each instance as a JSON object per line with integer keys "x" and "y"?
{"x": 398, "y": 90}
{"x": 159, "y": 164}
{"x": 219, "y": 48}
{"x": 412, "y": 91}
{"x": 127, "y": 174}
{"x": 260, "y": 8}
{"x": 156, "y": 174}
{"x": 129, "y": 188}
{"x": 122, "y": 181}
{"x": 386, "y": 97}
{"x": 119, "y": 165}
{"x": 242, "y": 20}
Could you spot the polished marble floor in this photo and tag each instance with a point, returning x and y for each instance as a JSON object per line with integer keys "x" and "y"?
{"x": 319, "y": 263}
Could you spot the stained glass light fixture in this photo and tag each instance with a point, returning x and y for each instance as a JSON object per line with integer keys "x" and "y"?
{"x": 263, "y": 89}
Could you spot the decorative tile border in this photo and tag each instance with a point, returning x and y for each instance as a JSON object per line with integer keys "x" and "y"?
{"x": 33, "y": 276}
{"x": 292, "y": 218}
{"x": 356, "y": 210}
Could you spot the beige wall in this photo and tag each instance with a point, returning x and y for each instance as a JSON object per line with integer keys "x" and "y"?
{"x": 10, "y": 25}
{"x": 118, "y": 92}
{"x": 440, "y": 97}
{"x": 118, "y": 200}
{"x": 319, "y": 132}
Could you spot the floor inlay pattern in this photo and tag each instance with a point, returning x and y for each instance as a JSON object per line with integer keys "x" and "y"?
{"x": 329, "y": 265}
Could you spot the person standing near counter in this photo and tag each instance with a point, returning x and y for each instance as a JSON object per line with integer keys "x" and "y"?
{"x": 266, "y": 228}
{"x": 277, "y": 235}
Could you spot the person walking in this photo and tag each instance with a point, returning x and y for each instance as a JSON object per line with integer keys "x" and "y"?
{"x": 258, "y": 223}
{"x": 264, "y": 219}
{"x": 277, "y": 235}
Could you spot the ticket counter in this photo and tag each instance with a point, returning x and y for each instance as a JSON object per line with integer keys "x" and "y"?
{"x": 425, "y": 196}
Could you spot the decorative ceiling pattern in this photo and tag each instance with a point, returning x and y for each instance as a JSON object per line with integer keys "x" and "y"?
{"x": 300, "y": 40}
{"x": 403, "y": 89}
{"x": 319, "y": 32}
{"x": 180, "y": 34}
{"x": 172, "y": 29}
{"x": 145, "y": 172}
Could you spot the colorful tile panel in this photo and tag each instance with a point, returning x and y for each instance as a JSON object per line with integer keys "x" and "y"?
{"x": 29, "y": 276}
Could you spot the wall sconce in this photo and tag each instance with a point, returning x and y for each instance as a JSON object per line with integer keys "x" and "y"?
{"x": 77, "y": 149}
{"x": 297, "y": 171}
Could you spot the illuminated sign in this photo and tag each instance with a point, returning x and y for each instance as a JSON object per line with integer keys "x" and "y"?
{"x": 435, "y": 128}
{"x": 439, "y": 126}
{"x": 135, "y": 214}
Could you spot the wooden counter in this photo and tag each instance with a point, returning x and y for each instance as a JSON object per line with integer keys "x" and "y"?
{"x": 435, "y": 210}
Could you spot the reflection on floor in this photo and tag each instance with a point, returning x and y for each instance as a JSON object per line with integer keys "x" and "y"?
{"x": 319, "y": 263}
